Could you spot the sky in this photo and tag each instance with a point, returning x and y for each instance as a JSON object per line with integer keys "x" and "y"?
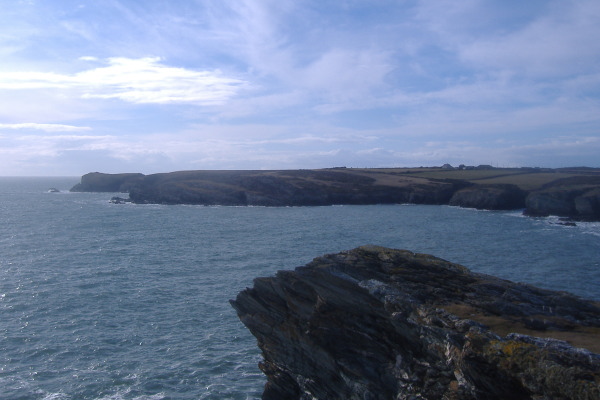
{"x": 157, "y": 86}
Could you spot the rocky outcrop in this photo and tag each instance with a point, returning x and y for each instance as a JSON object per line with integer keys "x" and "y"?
{"x": 119, "y": 200}
{"x": 490, "y": 197}
{"x": 99, "y": 182}
{"x": 376, "y": 323}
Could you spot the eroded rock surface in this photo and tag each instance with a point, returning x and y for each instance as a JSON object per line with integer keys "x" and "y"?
{"x": 378, "y": 323}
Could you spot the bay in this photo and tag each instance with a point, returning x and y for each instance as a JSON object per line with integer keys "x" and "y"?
{"x": 106, "y": 301}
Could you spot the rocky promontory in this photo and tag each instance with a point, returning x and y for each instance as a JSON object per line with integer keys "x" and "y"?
{"x": 377, "y": 323}
{"x": 99, "y": 182}
{"x": 573, "y": 193}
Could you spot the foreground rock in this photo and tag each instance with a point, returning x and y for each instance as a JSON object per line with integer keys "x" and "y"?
{"x": 377, "y": 323}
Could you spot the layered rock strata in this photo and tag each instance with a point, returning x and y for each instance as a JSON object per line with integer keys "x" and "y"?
{"x": 376, "y": 323}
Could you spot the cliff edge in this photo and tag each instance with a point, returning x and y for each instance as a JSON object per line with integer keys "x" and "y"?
{"x": 377, "y": 323}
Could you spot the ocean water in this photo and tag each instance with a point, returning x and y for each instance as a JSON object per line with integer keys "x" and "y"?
{"x": 105, "y": 301}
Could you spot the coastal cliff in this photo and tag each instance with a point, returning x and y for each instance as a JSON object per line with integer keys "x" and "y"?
{"x": 377, "y": 323}
{"x": 490, "y": 197}
{"x": 576, "y": 197}
{"x": 275, "y": 188}
{"x": 99, "y": 182}
{"x": 572, "y": 193}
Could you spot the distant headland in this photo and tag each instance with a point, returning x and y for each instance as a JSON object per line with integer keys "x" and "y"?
{"x": 573, "y": 193}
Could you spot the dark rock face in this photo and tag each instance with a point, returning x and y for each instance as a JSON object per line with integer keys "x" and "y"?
{"x": 576, "y": 198}
{"x": 544, "y": 203}
{"x": 587, "y": 205}
{"x": 577, "y": 204}
{"x": 377, "y": 323}
{"x": 490, "y": 197}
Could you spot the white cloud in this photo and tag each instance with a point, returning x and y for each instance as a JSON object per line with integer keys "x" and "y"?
{"x": 46, "y": 127}
{"x": 144, "y": 80}
{"x": 560, "y": 42}
{"x": 38, "y": 148}
{"x": 298, "y": 84}
{"x": 537, "y": 40}
{"x": 347, "y": 75}
{"x": 445, "y": 121}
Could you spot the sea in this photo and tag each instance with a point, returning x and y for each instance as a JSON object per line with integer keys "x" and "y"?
{"x": 105, "y": 301}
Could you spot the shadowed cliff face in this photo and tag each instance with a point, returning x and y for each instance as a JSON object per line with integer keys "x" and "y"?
{"x": 490, "y": 197}
{"x": 377, "y": 323}
{"x": 576, "y": 197}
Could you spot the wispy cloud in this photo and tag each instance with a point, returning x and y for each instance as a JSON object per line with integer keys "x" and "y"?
{"x": 247, "y": 84}
{"x": 46, "y": 127}
{"x": 144, "y": 80}
{"x": 559, "y": 42}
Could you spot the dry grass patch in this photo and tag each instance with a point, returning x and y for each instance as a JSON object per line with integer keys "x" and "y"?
{"x": 527, "y": 181}
{"x": 587, "y": 337}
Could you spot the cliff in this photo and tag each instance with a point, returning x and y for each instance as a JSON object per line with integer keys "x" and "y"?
{"x": 575, "y": 197}
{"x": 490, "y": 197}
{"x": 276, "y": 188}
{"x": 99, "y": 182}
{"x": 377, "y": 323}
{"x": 573, "y": 193}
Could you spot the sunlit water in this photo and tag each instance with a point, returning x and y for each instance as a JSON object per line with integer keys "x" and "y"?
{"x": 105, "y": 301}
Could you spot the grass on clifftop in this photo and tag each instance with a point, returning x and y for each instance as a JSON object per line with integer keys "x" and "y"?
{"x": 525, "y": 178}
{"x": 587, "y": 337}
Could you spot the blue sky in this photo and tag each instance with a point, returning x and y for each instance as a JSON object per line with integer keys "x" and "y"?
{"x": 155, "y": 86}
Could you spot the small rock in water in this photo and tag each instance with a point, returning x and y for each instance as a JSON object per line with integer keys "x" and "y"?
{"x": 119, "y": 200}
{"x": 566, "y": 222}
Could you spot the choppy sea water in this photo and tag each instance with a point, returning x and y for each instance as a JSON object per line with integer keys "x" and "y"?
{"x": 105, "y": 301}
